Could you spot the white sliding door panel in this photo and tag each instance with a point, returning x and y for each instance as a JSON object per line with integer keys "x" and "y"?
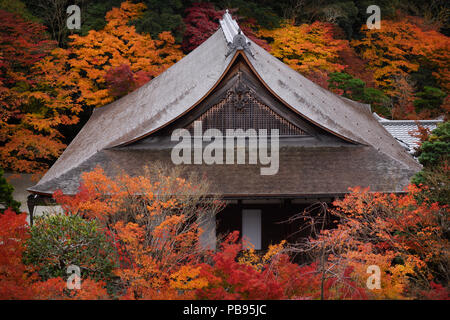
{"x": 208, "y": 238}
{"x": 251, "y": 228}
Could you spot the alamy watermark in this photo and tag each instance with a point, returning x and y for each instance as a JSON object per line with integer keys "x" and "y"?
{"x": 236, "y": 146}
{"x": 74, "y": 19}
{"x": 374, "y": 280}
{"x": 74, "y": 279}
{"x": 374, "y": 20}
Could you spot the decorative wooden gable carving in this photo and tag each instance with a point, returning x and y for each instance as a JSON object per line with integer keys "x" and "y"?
{"x": 240, "y": 108}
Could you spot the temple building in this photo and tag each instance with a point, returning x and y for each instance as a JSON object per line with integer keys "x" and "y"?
{"x": 323, "y": 145}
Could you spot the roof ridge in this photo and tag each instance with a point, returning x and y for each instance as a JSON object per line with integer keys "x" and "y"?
{"x": 235, "y": 38}
{"x": 230, "y": 27}
{"x": 406, "y": 121}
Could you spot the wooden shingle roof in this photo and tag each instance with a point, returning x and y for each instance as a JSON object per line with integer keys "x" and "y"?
{"x": 182, "y": 87}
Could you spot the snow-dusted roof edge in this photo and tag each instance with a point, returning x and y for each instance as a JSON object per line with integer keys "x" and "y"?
{"x": 384, "y": 120}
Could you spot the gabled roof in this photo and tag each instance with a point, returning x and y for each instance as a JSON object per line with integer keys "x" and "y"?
{"x": 183, "y": 86}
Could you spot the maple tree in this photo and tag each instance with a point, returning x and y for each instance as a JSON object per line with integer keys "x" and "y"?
{"x": 310, "y": 49}
{"x": 28, "y": 130}
{"x": 44, "y": 89}
{"x": 90, "y": 57}
{"x": 121, "y": 80}
{"x": 354, "y": 64}
{"x": 202, "y": 20}
{"x": 403, "y": 107}
{"x": 154, "y": 224}
{"x": 228, "y": 278}
{"x": 271, "y": 275}
{"x": 13, "y": 232}
{"x": 403, "y": 235}
{"x": 374, "y": 228}
{"x": 155, "y": 221}
{"x": 401, "y": 48}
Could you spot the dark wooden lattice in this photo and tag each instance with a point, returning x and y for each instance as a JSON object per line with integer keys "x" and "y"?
{"x": 241, "y": 110}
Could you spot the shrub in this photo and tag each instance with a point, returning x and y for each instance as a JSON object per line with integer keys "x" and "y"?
{"x": 434, "y": 156}
{"x": 58, "y": 241}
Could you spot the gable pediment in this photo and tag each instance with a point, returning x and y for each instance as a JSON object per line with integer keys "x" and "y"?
{"x": 240, "y": 107}
{"x": 241, "y": 102}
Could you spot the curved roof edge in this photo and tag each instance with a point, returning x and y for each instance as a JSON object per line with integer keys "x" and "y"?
{"x": 345, "y": 118}
{"x": 151, "y": 106}
{"x": 181, "y": 87}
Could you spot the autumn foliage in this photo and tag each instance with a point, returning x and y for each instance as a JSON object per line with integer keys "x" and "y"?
{"x": 43, "y": 88}
{"x": 28, "y": 133}
{"x": 202, "y": 20}
{"x": 402, "y": 50}
{"x": 399, "y": 48}
{"x": 20, "y": 281}
{"x": 117, "y": 45}
{"x": 310, "y": 49}
{"x": 154, "y": 224}
{"x": 47, "y": 92}
{"x": 404, "y": 235}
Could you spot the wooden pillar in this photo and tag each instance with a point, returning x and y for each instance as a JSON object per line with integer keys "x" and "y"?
{"x": 34, "y": 200}
{"x": 31, "y": 203}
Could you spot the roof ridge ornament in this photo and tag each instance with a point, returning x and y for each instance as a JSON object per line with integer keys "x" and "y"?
{"x": 236, "y": 39}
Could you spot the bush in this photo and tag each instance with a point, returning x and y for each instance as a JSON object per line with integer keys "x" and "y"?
{"x": 436, "y": 149}
{"x": 58, "y": 241}
{"x": 433, "y": 154}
